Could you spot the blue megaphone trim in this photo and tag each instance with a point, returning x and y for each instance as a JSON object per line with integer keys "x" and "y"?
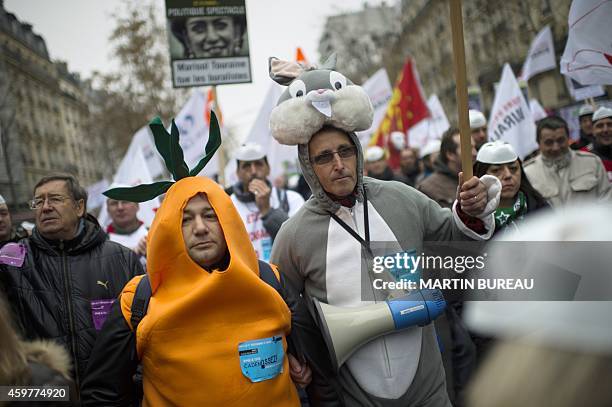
{"x": 417, "y": 308}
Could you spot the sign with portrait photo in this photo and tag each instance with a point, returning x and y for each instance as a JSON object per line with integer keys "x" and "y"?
{"x": 208, "y": 42}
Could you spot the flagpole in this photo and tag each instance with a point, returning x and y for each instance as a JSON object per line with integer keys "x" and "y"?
{"x": 222, "y": 160}
{"x": 461, "y": 87}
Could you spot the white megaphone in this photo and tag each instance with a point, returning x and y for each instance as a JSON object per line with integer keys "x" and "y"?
{"x": 347, "y": 329}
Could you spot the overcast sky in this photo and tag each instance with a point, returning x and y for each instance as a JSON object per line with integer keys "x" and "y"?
{"x": 77, "y": 31}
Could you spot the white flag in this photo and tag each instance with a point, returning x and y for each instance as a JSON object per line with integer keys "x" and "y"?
{"x": 581, "y": 92}
{"x": 537, "y": 111}
{"x": 588, "y": 53}
{"x": 281, "y": 158}
{"x": 143, "y": 141}
{"x": 193, "y": 129}
{"x": 541, "y": 55}
{"x": 133, "y": 170}
{"x": 430, "y": 128}
{"x": 511, "y": 118}
{"x": 95, "y": 199}
{"x": 379, "y": 90}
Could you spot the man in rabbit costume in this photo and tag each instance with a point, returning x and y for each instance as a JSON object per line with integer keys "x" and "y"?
{"x": 319, "y": 249}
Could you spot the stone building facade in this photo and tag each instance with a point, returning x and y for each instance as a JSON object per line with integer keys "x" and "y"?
{"x": 43, "y": 115}
{"x": 495, "y": 32}
{"x": 360, "y": 39}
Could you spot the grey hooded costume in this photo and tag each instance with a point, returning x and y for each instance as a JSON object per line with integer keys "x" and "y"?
{"x": 322, "y": 260}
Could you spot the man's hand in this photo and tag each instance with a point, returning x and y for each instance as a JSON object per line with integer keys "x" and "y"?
{"x": 300, "y": 372}
{"x": 262, "y": 192}
{"x": 141, "y": 248}
{"x": 472, "y": 195}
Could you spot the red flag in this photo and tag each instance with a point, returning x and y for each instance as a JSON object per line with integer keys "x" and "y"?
{"x": 406, "y": 108}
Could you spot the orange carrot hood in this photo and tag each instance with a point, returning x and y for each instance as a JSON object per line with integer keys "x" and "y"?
{"x": 188, "y": 341}
{"x": 167, "y": 257}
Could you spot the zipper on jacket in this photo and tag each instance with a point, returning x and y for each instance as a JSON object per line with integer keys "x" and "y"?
{"x": 386, "y": 358}
{"x": 68, "y": 301}
{"x": 385, "y": 352}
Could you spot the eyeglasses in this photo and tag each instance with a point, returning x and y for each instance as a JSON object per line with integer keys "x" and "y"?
{"x": 343, "y": 152}
{"x": 53, "y": 200}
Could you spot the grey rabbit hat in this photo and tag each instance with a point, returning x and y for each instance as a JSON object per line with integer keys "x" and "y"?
{"x": 316, "y": 97}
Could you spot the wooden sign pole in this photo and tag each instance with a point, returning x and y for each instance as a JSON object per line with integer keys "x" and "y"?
{"x": 221, "y": 153}
{"x": 461, "y": 87}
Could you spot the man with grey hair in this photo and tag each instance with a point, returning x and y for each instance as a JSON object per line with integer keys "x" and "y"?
{"x": 68, "y": 274}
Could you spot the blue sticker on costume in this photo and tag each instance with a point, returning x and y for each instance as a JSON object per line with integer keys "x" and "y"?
{"x": 266, "y": 245}
{"x": 261, "y": 359}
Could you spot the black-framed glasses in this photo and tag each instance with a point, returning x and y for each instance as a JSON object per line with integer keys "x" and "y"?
{"x": 327, "y": 157}
{"x": 53, "y": 200}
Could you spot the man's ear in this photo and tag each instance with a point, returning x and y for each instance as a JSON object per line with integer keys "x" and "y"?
{"x": 80, "y": 208}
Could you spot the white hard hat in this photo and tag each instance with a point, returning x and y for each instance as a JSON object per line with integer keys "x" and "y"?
{"x": 496, "y": 152}
{"x": 374, "y": 153}
{"x": 585, "y": 110}
{"x": 398, "y": 139}
{"x": 602, "y": 113}
{"x": 2, "y": 201}
{"x": 432, "y": 147}
{"x": 249, "y": 152}
{"x": 477, "y": 119}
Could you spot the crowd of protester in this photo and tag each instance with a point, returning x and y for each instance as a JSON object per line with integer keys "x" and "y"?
{"x": 59, "y": 285}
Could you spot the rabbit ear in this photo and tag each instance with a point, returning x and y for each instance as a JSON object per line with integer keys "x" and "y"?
{"x": 284, "y": 72}
{"x": 330, "y": 63}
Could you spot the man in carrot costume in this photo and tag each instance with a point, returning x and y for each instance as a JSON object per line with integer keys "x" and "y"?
{"x": 214, "y": 333}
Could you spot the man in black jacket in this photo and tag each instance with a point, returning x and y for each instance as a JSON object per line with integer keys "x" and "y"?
{"x": 71, "y": 273}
